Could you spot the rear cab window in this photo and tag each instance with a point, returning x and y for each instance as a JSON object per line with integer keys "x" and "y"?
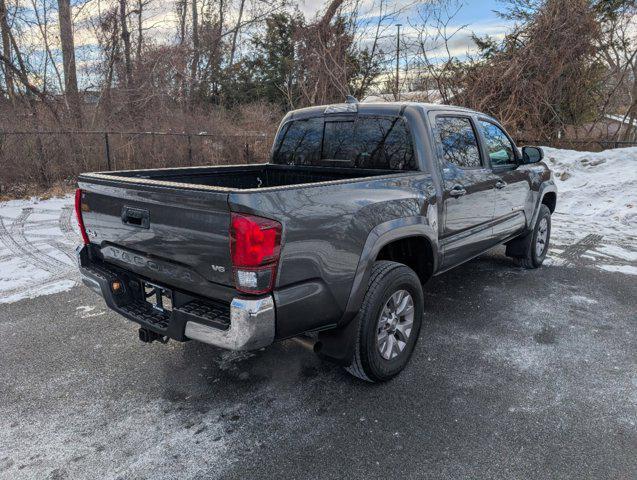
{"x": 370, "y": 142}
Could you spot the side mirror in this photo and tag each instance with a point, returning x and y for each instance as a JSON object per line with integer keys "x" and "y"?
{"x": 532, "y": 154}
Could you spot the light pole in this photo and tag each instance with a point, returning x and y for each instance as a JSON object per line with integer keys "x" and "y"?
{"x": 398, "y": 59}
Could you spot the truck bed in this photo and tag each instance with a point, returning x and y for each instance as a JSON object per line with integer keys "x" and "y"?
{"x": 150, "y": 221}
{"x": 248, "y": 176}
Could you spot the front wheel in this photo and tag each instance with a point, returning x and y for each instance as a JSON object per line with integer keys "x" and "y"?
{"x": 389, "y": 322}
{"x": 536, "y": 244}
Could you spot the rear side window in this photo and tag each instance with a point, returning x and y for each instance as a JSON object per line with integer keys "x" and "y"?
{"x": 365, "y": 142}
{"x": 300, "y": 143}
{"x": 458, "y": 141}
{"x": 384, "y": 143}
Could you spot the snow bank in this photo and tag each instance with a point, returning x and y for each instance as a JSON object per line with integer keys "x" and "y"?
{"x": 598, "y": 188}
{"x": 596, "y": 206}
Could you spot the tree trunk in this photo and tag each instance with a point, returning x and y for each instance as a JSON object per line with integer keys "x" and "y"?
{"x": 123, "y": 20}
{"x": 195, "y": 49}
{"x": 68, "y": 60}
{"x": 182, "y": 12}
{"x": 6, "y": 50}
{"x": 631, "y": 115}
{"x": 140, "y": 31}
{"x": 233, "y": 49}
{"x": 329, "y": 14}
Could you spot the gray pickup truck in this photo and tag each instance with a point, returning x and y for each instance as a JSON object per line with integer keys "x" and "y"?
{"x": 359, "y": 205}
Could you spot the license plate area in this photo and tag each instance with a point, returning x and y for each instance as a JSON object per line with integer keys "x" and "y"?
{"x": 160, "y": 298}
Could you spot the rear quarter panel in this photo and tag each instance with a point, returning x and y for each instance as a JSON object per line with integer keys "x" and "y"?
{"x": 325, "y": 228}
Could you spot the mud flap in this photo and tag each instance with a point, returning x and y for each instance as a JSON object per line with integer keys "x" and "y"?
{"x": 337, "y": 345}
{"x": 519, "y": 246}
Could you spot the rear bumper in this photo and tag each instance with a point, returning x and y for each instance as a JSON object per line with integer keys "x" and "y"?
{"x": 244, "y": 324}
{"x": 251, "y": 326}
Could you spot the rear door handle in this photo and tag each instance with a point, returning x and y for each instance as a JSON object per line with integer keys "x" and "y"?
{"x": 500, "y": 184}
{"x": 457, "y": 191}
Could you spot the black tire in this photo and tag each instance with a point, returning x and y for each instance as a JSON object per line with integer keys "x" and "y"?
{"x": 531, "y": 258}
{"x": 387, "y": 278}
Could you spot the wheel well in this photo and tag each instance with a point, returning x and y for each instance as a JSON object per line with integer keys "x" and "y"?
{"x": 550, "y": 199}
{"x": 415, "y": 252}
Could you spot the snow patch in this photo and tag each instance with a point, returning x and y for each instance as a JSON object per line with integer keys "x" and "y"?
{"x": 596, "y": 196}
{"x": 32, "y": 292}
{"x": 618, "y": 252}
{"x": 626, "y": 269}
{"x": 583, "y": 300}
{"x": 37, "y": 243}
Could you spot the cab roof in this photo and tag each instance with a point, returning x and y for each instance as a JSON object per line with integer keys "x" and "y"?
{"x": 372, "y": 108}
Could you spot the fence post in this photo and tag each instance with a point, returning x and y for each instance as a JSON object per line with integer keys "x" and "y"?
{"x": 247, "y": 152}
{"x": 107, "y": 151}
{"x": 189, "y": 150}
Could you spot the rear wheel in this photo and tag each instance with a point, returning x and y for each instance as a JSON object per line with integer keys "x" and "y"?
{"x": 389, "y": 322}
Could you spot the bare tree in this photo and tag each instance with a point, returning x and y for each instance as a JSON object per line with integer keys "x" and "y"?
{"x": 68, "y": 60}
{"x": 182, "y": 13}
{"x": 539, "y": 81}
{"x": 42, "y": 22}
{"x": 194, "y": 65}
{"x": 125, "y": 33}
{"x": 435, "y": 64}
{"x": 6, "y": 50}
{"x": 372, "y": 26}
{"x": 235, "y": 33}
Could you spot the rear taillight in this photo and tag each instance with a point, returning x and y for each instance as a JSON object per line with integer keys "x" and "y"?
{"x": 255, "y": 246}
{"x": 78, "y": 214}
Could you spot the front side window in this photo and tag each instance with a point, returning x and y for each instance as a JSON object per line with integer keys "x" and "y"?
{"x": 458, "y": 141}
{"x": 499, "y": 147}
{"x": 380, "y": 143}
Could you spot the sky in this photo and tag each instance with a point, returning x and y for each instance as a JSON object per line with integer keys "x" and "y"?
{"x": 478, "y": 15}
{"x": 161, "y": 20}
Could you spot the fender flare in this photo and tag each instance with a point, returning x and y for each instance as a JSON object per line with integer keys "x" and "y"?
{"x": 516, "y": 246}
{"x": 546, "y": 187}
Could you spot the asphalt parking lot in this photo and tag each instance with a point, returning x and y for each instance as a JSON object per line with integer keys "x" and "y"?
{"x": 518, "y": 374}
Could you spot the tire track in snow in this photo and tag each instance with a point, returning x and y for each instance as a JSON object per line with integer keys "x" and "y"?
{"x": 25, "y": 240}
{"x": 18, "y": 228}
{"x": 64, "y": 222}
{"x": 16, "y": 248}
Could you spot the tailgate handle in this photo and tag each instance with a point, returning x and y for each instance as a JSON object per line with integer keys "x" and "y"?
{"x": 137, "y": 217}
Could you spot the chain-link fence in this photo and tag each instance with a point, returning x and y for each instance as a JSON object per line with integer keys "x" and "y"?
{"x": 46, "y": 157}
{"x": 596, "y": 145}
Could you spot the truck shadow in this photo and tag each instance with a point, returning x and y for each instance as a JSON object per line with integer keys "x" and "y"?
{"x": 453, "y": 299}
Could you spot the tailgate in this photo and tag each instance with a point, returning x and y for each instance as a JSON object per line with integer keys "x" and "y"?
{"x": 172, "y": 235}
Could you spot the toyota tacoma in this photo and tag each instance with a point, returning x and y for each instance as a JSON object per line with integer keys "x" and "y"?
{"x": 358, "y": 206}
